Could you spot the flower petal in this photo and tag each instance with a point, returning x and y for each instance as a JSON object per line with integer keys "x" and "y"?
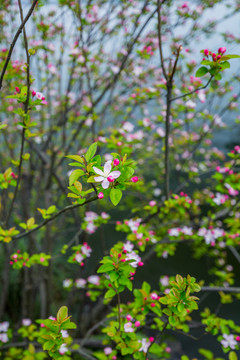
{"x": 99, "y": 178}
{"x": 98, "y": 171}
{"x": 115, "y": 174}
{"x": 105, "y": 184}
{"x": 107, "y": 167}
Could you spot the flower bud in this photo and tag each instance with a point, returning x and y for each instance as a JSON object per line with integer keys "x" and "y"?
{"x": 110, "y": 179}
{"x": 206, "y": 52}
{"x": 222, "y": 50}
{"x": 100, "y": 195}
{"x": 115, "y": 162}
{"x": 134, "y": 179}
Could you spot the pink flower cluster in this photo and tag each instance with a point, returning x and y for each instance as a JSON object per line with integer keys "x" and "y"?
{"x": 81, "y": 255}
{"x": 180, "y": 231}
{"x": 90, "y": 217}
{"x": 224, "y": 170}
{"x": 183, "y": 195}
{"x": 215, "y": 57}
{"x": 219, "y": 199}
{"x": 210, "y": 235}
{"x": 131, "y": 255}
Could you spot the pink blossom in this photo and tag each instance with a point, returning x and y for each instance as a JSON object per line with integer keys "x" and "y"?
{"x": 154, "y": 296}
{"x": 152, "y": 203}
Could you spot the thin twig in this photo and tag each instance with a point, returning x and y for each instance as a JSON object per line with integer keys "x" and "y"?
{"x": 26, "y": 103}
{"x": 15, "y": 40}
{"x": 70, "y": 207}
{"x": 192, "y": 92}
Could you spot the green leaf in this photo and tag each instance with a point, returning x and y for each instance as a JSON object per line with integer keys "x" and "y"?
{"x": 62, "y": 313}
{"x": 110, "y": 293}
{"x": 3, "y": 126}
{"x": 218, "y": 77}
{"x": 225, "y": 65}
{"x": 227, "y": 57}
{"x": 105, "y": 268}
{"x": 68, "y": 326}
{"x": 91, "y": 152}
{"x": 77, "y": 158}
{"x": 115, "y": 196}
{"x": 126, "y": 173}
{"x": 75, "y": 175}
{"x": 51, "y": 209}
{"x": 201, "y": 71}
{"x": 48, "y": 345}
{"x": 207, "y": 353}
{"x": 232, "y": 356}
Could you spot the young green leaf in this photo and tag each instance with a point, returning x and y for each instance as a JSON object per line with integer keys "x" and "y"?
{"x": 91, "y": 152}
{"x": 201, "y": 71}
{"x": 115, "y": 196}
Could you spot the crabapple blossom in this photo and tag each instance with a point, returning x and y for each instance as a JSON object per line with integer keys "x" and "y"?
{"x": 133, "y": 256}
{"x": 128, "y": 327}
{"x": 4, "y": 326}
{"x": 80, "y": 283}
{"x": 67, "y": 283}
{"x": 94, "y": 279}
{"x": 108, "y": 350}
{"x": 106, "y": 176}
{"x": 145, "y": 345}
{"x": 64, "y": 333}
{"x": 26, "y": 322}
{"x": 3, "y": 338}
{"x": 63, "y": 349}
{"x": 228, "y": 341}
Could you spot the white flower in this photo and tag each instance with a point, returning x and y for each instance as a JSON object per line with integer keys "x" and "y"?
{"x": 64, "y": 333}
{"x": 128, "y": 246}
{"x": 4, "y": 326}
{"x": 26, "y": 322}
{"x": 90, "y": 216}
{"x": 174, "y": 232}
{"x": 3, "y": 338}
{"x": 94, "y": 279}
{"x": 80, "y": 283}
{"x": 127, "y": 126}
{"x": 164, "y": 280}
{"x": 228, "y": 341}
{"x": 145, "y": 345}
{"x": 63, "y": 349}
{"x": 86, "y": 250}
{"x": 108, "y": 350}
{"x": 187, "y": 230}
{"x": 133, "y": 256}
{"x": 67, "y": 283}
{"x": 106, "y": 176}
{"x": 134, "y": 224}
{"x": 79, "y": 258}
{"x": 128, "y": 327}
{"x": 91, "y": 228}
